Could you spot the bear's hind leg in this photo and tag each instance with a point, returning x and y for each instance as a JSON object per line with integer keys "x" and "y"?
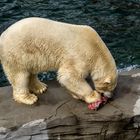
{"x": 20, "y": 83}
{"x": 36, "y": 86}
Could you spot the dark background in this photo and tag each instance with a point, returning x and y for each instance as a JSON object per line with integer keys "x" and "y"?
{"x": 117, "y": 22}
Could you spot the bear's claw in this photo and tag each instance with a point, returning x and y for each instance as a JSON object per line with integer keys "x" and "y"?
{"x": 39, "y": 88}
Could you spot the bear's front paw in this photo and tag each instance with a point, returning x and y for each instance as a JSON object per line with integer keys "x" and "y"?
{"x": 25, "y": 98}
{"x": 38, "y": 88}
{"x": 93, "y": 97}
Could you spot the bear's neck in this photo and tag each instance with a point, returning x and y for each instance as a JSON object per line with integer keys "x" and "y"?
{"x": 104, "y": 66}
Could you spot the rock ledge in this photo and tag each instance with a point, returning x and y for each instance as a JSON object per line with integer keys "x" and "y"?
{"x": 58, "y": 116}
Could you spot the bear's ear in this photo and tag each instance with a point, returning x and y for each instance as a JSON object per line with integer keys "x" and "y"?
{"x": 107, "y": 80}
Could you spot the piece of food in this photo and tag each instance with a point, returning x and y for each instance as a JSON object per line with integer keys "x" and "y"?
{"x": 98, "y": 103}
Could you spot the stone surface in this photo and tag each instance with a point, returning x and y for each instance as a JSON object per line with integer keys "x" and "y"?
{"x": 58, "y": 116}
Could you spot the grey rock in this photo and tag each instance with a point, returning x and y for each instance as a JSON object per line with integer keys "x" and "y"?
{"x": 4, "y": 130}
{"x": 21, "y": 138}
{"x": 40, "y": 137}
{"x": 2, "y": 137}
{"x": 41, "y": 124}
{"x": 28, "y": 129}
{"x": 58, "y": 116}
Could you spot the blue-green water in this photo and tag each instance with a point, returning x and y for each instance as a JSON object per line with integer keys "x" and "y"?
{"x": 117, "y": 21}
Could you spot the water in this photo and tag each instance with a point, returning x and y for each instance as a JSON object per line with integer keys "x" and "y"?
{"x": 117, "y": 21}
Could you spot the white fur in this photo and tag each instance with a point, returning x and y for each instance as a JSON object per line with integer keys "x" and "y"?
{"x": 35, "y": 45}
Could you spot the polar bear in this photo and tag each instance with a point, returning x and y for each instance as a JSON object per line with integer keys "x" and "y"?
{"x": 34, "y": 45}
